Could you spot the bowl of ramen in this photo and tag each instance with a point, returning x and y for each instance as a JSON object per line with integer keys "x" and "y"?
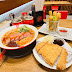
{"x": 16, "y": 37}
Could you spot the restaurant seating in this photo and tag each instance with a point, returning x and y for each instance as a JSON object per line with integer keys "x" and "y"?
{"x": 54, "y": 7}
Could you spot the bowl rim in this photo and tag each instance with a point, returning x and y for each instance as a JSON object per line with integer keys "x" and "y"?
{"x": 12, "y": 27}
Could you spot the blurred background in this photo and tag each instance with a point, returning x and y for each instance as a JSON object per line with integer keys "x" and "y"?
{"x": 8, "y": 5}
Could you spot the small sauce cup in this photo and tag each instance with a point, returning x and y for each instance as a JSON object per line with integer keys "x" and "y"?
{"x": 63, "y": 32}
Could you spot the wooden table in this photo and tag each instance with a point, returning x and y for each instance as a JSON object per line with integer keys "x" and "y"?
{"x": 28, "y": 63}
{"x": 58, "y": 3}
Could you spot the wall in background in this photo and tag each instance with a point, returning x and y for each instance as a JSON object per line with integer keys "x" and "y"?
{"x": 11, "y": 4}
{"x": 17, "y": 11}
{"x": 68, "y": 8}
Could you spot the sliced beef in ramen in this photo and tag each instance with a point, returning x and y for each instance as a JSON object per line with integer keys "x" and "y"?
{"x": 12, "y": 38}
{"x": 27, "y": 34}
{"x": 20, "y": 36}
{"x": 16, "y": 38}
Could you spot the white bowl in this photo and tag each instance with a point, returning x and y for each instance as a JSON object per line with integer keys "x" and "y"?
{"x": 13, "y": 27}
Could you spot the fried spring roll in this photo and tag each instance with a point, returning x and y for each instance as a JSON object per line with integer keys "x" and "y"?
{"x": 62, "y": 60}
{"x": 50, "y": 13}
{"x": 58, "y": 16}
{"x": 55, "y": 26}
{"x": 55, "y": 13}
{"x": 50, "y": 18}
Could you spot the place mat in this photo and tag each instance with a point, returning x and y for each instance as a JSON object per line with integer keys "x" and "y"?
{"x": 44, "y": 30}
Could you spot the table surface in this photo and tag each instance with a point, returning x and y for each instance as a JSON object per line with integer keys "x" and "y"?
{"x": 29, "y": 63}
{"x": 57, "y": 3}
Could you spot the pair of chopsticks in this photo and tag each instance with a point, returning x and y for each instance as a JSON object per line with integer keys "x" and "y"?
{"x": 39, "y": 5}
{"x": 2, "y": 57}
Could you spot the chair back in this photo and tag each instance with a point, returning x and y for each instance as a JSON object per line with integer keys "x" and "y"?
{"x": 63, "y": 14}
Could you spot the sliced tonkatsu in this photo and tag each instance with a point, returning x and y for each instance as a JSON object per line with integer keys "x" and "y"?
{"x": 53, "y": 55}
{"x": 40, "y": 45}
{"x": 62, "y": 60}
{"x": 44, "y": 51}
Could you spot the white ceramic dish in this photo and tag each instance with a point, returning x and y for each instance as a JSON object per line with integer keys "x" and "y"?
{"x": 44, "y": 30}
{"x": 62, "y": 33}
{"x": 13, "y": 27}
{"x": 41, "y": 60}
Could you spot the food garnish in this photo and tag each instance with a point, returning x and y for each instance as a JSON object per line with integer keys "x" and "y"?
{"x": 49, "y": 38}
{"x": 24, "y": 29}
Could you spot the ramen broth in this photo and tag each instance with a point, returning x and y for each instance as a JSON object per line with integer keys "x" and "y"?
{"x": 19, "y": 36}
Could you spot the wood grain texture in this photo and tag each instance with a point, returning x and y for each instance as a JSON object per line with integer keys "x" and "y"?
{"x": 11, "y": 4}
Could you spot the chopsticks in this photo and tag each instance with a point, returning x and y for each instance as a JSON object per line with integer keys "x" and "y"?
{"x": 2, "y": 57}
{"x": 2, "y": 54}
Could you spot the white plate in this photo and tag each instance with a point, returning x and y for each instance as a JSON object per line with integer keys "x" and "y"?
{"x": 41, "y": 60}
{"x": 13, "y": 27}
{"x": 44, "y": 29}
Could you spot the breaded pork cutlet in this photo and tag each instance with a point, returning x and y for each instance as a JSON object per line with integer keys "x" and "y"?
{"x": 62, "y": 60}
{"x": 40, "y": 45}
{"x": 53, "y": 55}
{"x": 44, "y": 51}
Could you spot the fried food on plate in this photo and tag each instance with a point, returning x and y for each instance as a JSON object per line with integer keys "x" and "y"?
{"x": 53, "y": 55}
{"x": 40, "y": 45}
{"x": 62, "y": 60}
{"x": 51, "y": 52}
{"x": 45, "y": 49}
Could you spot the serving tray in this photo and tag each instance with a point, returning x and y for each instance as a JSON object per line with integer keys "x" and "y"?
{"x": 44, "y": 30}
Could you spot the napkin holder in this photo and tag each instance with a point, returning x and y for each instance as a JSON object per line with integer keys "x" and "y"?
{"x": 38, "y": 18}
